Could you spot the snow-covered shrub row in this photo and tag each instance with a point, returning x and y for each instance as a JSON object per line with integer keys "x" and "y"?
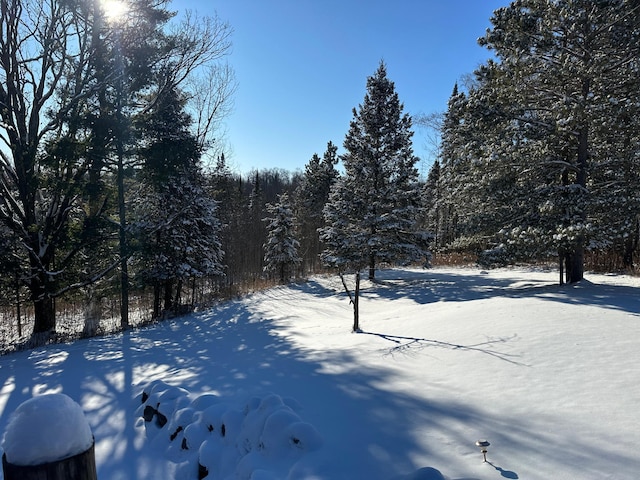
{"x": 210, "y": 439}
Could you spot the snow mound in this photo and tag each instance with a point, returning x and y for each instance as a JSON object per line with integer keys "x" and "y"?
{"x": 426, "y": 473}
{"x": 209, "y": 439}
{"x": 46, "y": 429}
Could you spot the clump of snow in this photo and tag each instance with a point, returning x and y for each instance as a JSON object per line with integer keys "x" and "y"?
{"x": 213, "y": 439}
{"x": 44, "y": 429}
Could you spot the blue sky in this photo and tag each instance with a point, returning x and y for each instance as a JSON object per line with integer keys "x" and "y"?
{"x": 302, "y": 66}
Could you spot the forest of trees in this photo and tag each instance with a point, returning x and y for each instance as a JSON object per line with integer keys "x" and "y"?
{"x": 115, "y": 189}
{"x": 540, "y": 157}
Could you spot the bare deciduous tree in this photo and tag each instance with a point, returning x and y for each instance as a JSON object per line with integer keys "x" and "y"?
{"x": 44, "y": 53}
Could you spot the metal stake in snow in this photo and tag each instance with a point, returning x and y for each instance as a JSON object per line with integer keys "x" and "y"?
{"x": 483, "y": 444}
{"x": 48, "y": 438}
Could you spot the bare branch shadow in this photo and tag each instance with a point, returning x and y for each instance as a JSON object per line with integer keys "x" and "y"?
{"x": 412, "y": 343}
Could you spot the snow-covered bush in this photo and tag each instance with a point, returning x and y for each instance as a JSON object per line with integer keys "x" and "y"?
{"x": 497, "y": 256}
{"x": 209, "y": 438}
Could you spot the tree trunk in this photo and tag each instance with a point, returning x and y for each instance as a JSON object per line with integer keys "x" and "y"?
{"x": 168, "y": 295}
{"x": 41, "y": 289}
{"x": 561, "y": 257}
{"x": 92, "y": 312}
{"x": 372, "y": 267}
{"x": 630, "y": 246}
{"x": 353, "y": 299}
{"x": 627, "y": 254}
{"x": 44, "y": 311}
{"x": 356, "y": 307}
{"x": 575, "y": 265}
{"x": 122, "y": 212}
{"x": 575, "y": 259}
{"x": 178, "y": 297}
{"x": 18, "y": 305}
{"x": 124, "y": 268}
{"x": 156, "y": 300}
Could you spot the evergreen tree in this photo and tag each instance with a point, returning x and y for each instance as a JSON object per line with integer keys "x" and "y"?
{"x": 311, "y": 196}
{"x": 281, "y": 249}
{"x": 454, "y": 167}
{"x": 178, "y": 228}
{"x": 178, "y": 233}
{"x": 254, "y": 229}
{"x": 536, "y": 121}
{"x": 11, "y": 280}
{"x": 345, "y": 240}
{"x": 374, "y": 209}
{"x": 225, "y": 190}
{"x": 474, "y": 193}
{"x": 166, "y": 146}
{"x": 431, "y": 203}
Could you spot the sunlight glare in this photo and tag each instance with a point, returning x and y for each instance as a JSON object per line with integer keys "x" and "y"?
{"x": 114, "y": 10}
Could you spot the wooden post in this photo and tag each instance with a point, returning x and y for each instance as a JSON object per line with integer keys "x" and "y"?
{"x": 77, "y": 467}
{"x": 37, "y": 447}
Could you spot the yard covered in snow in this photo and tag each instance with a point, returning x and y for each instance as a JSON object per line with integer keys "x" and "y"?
{"x": 549, "y": 374}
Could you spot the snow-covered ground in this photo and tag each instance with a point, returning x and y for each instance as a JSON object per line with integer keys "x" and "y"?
{"x": 548, "y": 374}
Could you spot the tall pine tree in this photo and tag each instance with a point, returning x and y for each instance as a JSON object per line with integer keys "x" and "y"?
{"x": 564, "y": 75}
{"x": 310, "y": 198}
{"x": 378, "y": 199}
{"x": 372, "y": 212}
{"x": 177, "y": 224}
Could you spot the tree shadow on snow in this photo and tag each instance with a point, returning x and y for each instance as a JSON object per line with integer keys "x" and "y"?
{"x": 433, "y": 285}
{"x": 235, "y": 352}
{"x": 404, "y": 344}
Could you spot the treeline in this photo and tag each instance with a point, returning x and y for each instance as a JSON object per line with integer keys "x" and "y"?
{"x": 190, "y": 247}
{"x": 237, "y": 206}
{"x": 540, "y": 152}
{"x": 246, "y": 205}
